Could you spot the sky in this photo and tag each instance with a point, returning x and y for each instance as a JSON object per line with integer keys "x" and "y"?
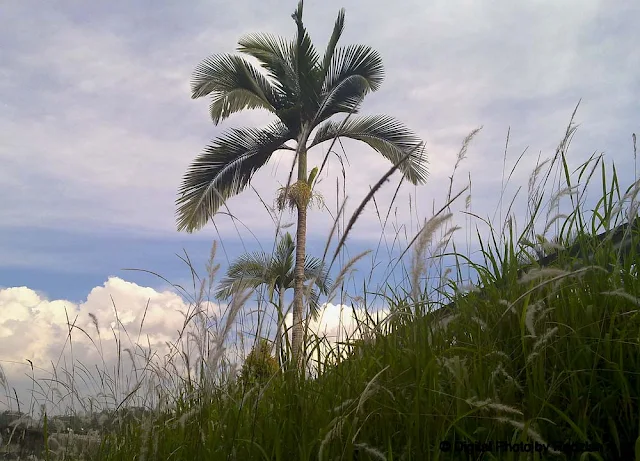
{"x": 97, "y": 128}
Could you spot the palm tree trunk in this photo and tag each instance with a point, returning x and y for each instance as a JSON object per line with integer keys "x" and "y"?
{"x": 279, "y": 329}
{"x": 298, "y": 274}
{"x": 298, "y": 287}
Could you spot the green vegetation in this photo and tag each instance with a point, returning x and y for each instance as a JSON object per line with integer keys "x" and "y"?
{"x": 259, "y": 366}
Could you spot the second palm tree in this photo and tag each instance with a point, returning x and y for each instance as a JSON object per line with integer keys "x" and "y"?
{"x": 276, "y": 274}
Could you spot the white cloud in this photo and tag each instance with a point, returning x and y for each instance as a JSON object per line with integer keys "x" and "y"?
{"x": 35, "y": 328}
{"x": 339, "y": 323}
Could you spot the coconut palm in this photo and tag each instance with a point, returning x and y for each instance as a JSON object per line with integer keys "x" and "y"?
{"x": 252, "y": 270}
{"x": 303, "y": 90}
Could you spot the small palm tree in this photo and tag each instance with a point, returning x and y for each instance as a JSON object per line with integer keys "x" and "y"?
{"x": 276, "y": 272}
{"x": 303, "y": 90}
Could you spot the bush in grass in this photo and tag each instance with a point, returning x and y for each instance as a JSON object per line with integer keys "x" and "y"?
{"x": 259, "y": 365}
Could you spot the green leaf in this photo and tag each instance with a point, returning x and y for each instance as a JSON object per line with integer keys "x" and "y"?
{"x": 312, "y": 176}
{"x": 333, "y": 42}
{"x": 223, "y": 170}
{"x": 275, "y": 55}
{"x": 234, "y": 84}
{"x": 248, "y": 271}
{"x": 251, "y": 270}
{"x": 316, "y": 270}
{"x": 384, "y": 134}
{"x": 306, "y": 64}
{"x": 345, "y": 98}
{"x": 352, "y": 60}
{"x": 353, "y": 72}
{"x": 314, "y": 304}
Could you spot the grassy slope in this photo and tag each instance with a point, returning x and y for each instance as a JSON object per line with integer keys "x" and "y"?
{"x": 557, "y": 363}
{"x": 549, "y": 356}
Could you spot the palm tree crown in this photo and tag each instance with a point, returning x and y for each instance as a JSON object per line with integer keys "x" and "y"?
{"x": 303, "y": 90}
{"x": 275, "y": 271}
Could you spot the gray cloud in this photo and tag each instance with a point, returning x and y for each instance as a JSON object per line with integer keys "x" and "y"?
{"x": 98, "y": 128}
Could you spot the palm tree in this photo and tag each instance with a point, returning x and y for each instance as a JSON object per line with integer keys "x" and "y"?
{"x": 276, "y": 272}
{"x": 303, "y": 90}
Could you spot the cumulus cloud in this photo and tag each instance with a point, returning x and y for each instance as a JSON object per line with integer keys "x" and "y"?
{"x": 336, "y": 326}
{"x": 117, "y": 316}
{"x": 120, "y": 329}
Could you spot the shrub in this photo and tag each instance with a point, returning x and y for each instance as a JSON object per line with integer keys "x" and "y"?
{"x": 259, "y": 366}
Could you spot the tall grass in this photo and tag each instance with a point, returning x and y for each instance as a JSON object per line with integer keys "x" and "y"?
{"x": 523, "y": 353}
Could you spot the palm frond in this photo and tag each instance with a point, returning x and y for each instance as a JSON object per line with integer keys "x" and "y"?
{"x": 352, "y": 73}
{"x": 284, "y": 256}
{"x": 234, "y": 84}
{"x": 346, "y": 98}
{"x": 315, "y": 269}
{"x": 223, "y": 170}
{"x": 253, "y": 265}
{"x": 248, "y": 271}
{"x": 384, "y": 134}
{"x": 353, "y": 60}
{"x": 251, "y": 270}
{"x": 333, "y": 42}
{"x": 314, "y": 303}
{"x": 275, "y": 55}
{"x": 306, "y": 64}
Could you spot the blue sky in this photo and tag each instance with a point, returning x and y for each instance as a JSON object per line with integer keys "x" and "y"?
{"x": 97, "y": 126}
